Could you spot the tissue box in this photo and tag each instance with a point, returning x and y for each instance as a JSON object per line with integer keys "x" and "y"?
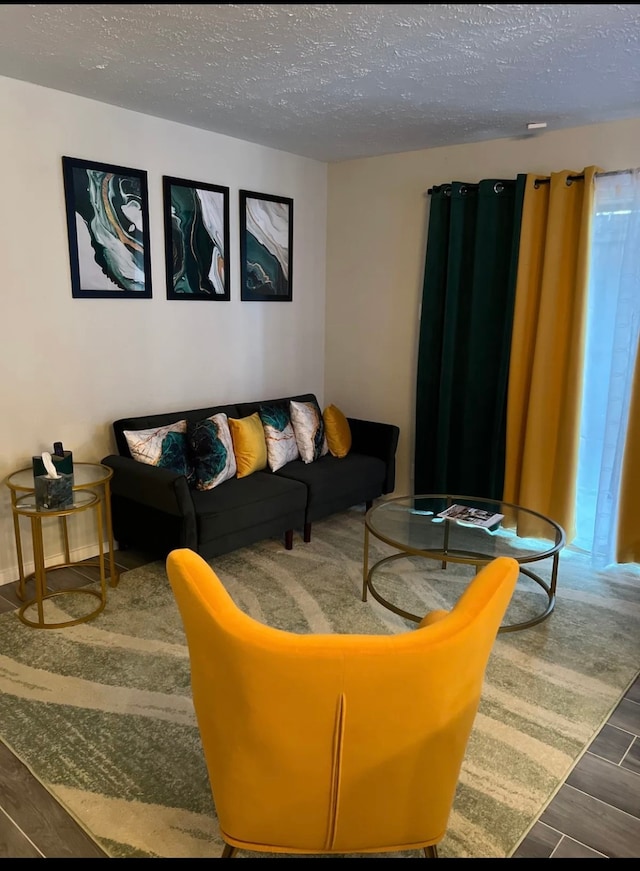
{"x": 63, "y": 465}
{"x": 53, "y": 494}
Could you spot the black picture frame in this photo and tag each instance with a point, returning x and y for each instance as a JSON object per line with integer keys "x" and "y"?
{"x": 107, "y": 210}
{"x": 196, "y": 233}
{"x": 266, "y": 247}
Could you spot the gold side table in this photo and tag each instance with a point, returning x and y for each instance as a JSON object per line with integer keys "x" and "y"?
{"x": 91, "y": 490}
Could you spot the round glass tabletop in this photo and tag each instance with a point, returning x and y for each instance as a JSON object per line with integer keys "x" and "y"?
{"x": 81, "y": 499}
{"x": 84, "y": 475}
{"x": 473, "y": 528}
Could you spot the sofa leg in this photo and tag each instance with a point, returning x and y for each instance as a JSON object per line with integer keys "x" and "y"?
{"x": 307, "y": 532}
{"x": 288, "y": 539}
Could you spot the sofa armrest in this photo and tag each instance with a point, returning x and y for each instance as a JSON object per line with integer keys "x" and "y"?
{"x": 149, "y": 485}
{"x": 377, "y": 440}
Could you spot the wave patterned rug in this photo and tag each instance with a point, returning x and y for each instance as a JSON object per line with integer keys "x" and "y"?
{"x": 101, "y": 712}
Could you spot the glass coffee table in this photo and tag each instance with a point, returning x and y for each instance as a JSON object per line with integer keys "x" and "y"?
{"x": 412, "y": 525}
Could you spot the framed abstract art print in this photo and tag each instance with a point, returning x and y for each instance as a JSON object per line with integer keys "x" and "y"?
{"x": 196, "y": 229}
{"x": 266, "y": 247}
{"x": 108, "y": 228}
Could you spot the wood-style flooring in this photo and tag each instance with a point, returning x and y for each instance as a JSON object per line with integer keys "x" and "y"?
{"x": 594, "y": 814}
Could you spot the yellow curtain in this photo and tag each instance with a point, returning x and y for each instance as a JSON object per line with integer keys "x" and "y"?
{"x": 628, "y": 536}
{"x": 547, "y": 349}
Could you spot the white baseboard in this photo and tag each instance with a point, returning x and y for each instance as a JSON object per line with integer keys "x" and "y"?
{"x": 11, "y": 574}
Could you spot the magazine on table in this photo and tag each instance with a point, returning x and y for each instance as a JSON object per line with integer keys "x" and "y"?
{"x": 473, "y": 516}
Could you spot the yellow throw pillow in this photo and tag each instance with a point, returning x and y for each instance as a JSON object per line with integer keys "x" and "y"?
{"x": 337, "y": 431}
{"x": 249, "y": 445}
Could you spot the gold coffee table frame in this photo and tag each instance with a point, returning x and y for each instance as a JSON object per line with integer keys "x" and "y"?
{"x": 91, "y": 490}
{"x": 415, "y": 530}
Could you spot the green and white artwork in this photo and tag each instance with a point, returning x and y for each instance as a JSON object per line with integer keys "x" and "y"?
{"x": 196, "y": 220}
{"x": 108, "y": 229}
{"x": 266, "y": 246}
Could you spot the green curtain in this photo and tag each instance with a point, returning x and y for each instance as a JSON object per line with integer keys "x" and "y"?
{"x": 465, "y": 337}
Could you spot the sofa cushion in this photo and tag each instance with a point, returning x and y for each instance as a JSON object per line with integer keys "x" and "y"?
{"x": 211, "y": 447}
{"x": 279, "y": 435}
{"x": 308, "y": 427}
{"x": 338, "y": 431}
{"x": 163, "y": 446}
{"x": 249, "y": 446}
{"x": 335, "y": 484}
{"x": 243, "y": 503}
{"x": 245, "y": 408}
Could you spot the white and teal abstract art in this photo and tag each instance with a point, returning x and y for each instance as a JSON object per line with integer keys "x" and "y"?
{"x": 196, "y": 222}
{"x": 108, "y": 229}
{"x": 266, "y": 246}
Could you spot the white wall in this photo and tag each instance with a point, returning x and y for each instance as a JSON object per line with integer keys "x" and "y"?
{"x": 71, "y": 366}
{"x": 376, "y": 243}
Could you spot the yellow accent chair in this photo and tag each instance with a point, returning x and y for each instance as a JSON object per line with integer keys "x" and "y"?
{"x": 335, "y": 744}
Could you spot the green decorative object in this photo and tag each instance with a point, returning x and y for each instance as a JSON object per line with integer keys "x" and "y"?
{"x": 53, "y": 494}
{"x": 53, "y": 491}
{"x": 63, "y": 464}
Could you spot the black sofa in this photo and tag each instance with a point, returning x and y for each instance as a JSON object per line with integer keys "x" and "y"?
{"x": 155, "y": 510}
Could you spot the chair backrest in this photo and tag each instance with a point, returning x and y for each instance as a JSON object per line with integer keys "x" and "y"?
{"x": 335, "y": 743}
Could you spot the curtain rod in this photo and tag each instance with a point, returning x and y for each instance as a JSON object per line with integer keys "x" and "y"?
{"x": 540, "y": 181}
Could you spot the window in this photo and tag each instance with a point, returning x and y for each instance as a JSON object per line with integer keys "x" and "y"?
{"x": 613, "y": 319}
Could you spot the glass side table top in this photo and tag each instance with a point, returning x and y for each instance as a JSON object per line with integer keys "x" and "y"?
{"x": 412, "y": 524}
{"x": 84, "y": 475}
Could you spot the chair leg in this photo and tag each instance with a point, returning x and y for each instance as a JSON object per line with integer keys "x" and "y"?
{"x": 229, "y": 852}
{"x": 307, "y": 532}
{"x": 431, "y": 852}
{"x": 288, "y": 539}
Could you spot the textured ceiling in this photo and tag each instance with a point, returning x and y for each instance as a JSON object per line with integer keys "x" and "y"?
{"x": 337, "y": 82}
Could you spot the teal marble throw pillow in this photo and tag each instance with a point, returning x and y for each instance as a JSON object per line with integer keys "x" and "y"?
{"x": 279, "y": 435}
{"x": 308, "y": 426}
{"x": 212, "y": 449}
{"x": 163, "y": 446}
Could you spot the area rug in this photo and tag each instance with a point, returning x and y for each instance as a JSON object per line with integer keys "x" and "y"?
{"x": 101, "y": 712}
